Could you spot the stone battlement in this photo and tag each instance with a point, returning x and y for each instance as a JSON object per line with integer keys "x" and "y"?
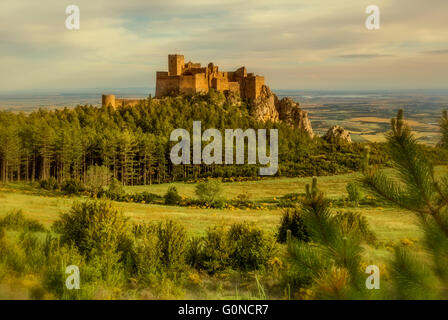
{"x": 189, "y": 78}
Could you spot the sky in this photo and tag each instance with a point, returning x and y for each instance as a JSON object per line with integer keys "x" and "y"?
{"x": 295, "y": 44}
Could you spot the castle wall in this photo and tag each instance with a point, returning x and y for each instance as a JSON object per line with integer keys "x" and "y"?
{"x": 234, "y": 87}
{"x": 127, "y": 102}
{"x": 167, "y": 85}
{"x": 187, "y": 85}
{"x": 220, "y": 84}
{"x": 110, "y": 99}
{"x": 252, "y": 86}
{"x": 201, "y": 83}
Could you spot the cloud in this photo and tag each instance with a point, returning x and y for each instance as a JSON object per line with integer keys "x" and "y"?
{"x": 316, "y": 44}
{"x": 437, "y": 52}
{"x": 363, "y": 56}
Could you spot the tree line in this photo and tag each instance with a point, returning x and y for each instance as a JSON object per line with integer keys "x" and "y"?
{"x": 133, "y": 142}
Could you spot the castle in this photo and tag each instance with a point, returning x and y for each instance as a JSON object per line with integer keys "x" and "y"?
{"x": 189, "y": 78}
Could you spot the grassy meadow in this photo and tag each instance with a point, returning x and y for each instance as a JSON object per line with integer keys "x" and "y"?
{"x": 390, "y": 224}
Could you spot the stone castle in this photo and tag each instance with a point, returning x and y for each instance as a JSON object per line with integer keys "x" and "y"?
{"x": 189, "y": 78}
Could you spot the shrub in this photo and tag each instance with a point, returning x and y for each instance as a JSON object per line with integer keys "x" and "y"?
{"x": 147, "y": 253}
{"x": 160, "y": 249}
{"x": 172, "y": 197}
{"x": 49, "y": 184}
{"x": 215, "y": 251}
{"x": 33, "y": 248}
{"x": 243, "y": 200}
{"x": 16, "y": 220}
{"x": 208, "y": 191}
{"x": 194, "y": 251}
{"x": 351, "y": 222}
{"x": 171, "y": 238}
{"x": 116, "y": 189}
{"x": 94, "y": 227}
{"x": 72, "y": 187}
{"x": 146, "y": 197}
{"x": 354, "y": 192}
{"x": 218, "y": 204}
{"x": 54, "y": 276}
{"x": 250, "y": 248}
{"x": 292, "y": 220}
{"x": 242, "y": 247}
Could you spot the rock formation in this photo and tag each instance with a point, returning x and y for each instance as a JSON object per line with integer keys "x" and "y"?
{"x": 267, "y": 107}
{"x": 337, "y": 134}
{"x": 291, "y": 113}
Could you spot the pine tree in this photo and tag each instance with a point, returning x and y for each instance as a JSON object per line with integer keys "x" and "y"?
{"x": 414, "y": 187}
{"x": 443, "y": 124}
{"x": 333, "y": 259}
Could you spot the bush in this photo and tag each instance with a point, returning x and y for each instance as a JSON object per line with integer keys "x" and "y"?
{"x": 146, "y": 197}
{"x": 218, "y": 204}
{"x": 72, "y": 187}
{"x": 160, "y": 249}
{"x": 116, "y": 188}
{"x": 94, "y": 227}
{"x": 292, "y": 220}
{"x": 49, "y": 184}
{"x": 250, "y": 247}
{"x": 243, "y": 200}
{"x": 171, "y": 197}
{"x": 16, "y": 220}
{"x": 355, "y": 223}
{"x": 171, "y": 239}
{"x": 208, "y": 191}
{"x": 354, "y": 192}
{"x": 194, "y": 251}
{"x": 242, "y": 247}
{"x": 215, "y": 250}
{"x": 54, "y": 276}
{"x": 147, "y": 253}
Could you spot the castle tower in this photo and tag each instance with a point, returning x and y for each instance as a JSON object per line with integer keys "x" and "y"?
{"x": 176, "y": 63}
{"x": 108, "y": 99}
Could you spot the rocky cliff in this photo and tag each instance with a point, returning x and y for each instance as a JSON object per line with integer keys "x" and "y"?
{"x": 267, "y": 107}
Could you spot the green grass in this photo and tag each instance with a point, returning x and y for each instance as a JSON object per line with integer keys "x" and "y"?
{"x": 390, "y": 224}
{"x": 332, "y": 186}
{"x": 47, "y": 209}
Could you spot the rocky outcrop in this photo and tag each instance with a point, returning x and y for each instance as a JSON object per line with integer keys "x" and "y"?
{"x": 291, "y": 113}
{"x": 267, "y": 107}
{"x": 337, "y": 134}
